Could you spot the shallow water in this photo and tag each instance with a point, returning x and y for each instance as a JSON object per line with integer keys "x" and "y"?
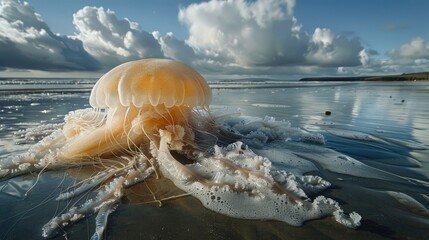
{"x": 383, "y": 126}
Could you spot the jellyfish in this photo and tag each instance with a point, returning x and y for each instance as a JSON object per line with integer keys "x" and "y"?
{"x": 139, "y": 98}
{"x": 143, "y": 115}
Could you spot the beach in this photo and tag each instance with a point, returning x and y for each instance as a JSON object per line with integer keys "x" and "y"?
{"x": 382, "y": 126}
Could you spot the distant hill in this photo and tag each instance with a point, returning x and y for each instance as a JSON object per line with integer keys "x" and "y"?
{"x": 421, "y": 76}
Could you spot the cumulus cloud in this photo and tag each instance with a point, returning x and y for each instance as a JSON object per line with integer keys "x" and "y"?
{"x": 416, "y": 48}
{"x": 260, "y": 37}
{"x": 175, "y": 48}
{"x": 410, "y": 56}
{"x": 367, "y": 56}
{"x": 112, "y": 41}
{"x": 330, "y": 50}
{"x": 263, "y": 33}
{"x": 26, "y": 42}
{"x": 260, "y": 33}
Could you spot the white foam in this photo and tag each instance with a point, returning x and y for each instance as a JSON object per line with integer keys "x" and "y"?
{"x": 238, "y": 183}
{"x": 257, "y": 132}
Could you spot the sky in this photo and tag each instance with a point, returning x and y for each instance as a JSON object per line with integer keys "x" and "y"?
{"x": 280, "y": 39}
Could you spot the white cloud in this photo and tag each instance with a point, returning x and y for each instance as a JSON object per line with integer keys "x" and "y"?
{"x": 260, "y": 33}
{"x": 417, "y": 48}
{"x": 412, "y": 56}
{"x": 263, "y": 33}
{"x": 364, "y": 57}
{"x": 260, "y": 37}
{"x": 330, "y": 50}
{"x": 112, "y": 41}
{"x": 323, "y": 37}
{"x": 175, "y": 49}
{"x": 26, "y": 42}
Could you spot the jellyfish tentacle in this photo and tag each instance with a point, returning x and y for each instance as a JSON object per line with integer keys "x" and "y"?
{"x": 101, "y": 220}
{"x": 86, "y": 185}
{"x": 169, "y": 166}
{"x": 276, "y": 187}
{"x": 127, "y": 131}
{"x": 170, "y": 118}
{"x": 36, "y": 159}
{"x": 107, "y": 196}
{"x": 105, "y": 139}
{"x": 235, "y": 185}
{"x": 143, "y": 169}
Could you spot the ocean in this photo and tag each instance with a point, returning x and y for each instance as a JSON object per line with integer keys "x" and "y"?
{"x": 373, "y": 147}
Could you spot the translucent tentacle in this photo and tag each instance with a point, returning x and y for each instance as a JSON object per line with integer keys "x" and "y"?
{"x": 86, "y": 186}
{"x": 106, "y": 198}
{"x": 110, "y": 194}
{"x": 101, "y": 220}
{"x": 39, "y": 156}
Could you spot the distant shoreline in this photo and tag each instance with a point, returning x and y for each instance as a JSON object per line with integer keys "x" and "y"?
{"x": 421, "y": 76}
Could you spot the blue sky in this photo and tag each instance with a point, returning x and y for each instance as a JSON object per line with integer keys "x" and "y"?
{"x": 269, "y": 38}
{"x": 152, "y": 15}
{"x": 381, "y": 24}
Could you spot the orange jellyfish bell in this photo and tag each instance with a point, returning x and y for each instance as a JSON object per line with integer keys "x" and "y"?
{"x": 151, "y": 81}
{"x": 140, "y": 98}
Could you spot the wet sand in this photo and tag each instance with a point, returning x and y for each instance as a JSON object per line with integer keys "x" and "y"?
{"x": 373, "y": 108}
